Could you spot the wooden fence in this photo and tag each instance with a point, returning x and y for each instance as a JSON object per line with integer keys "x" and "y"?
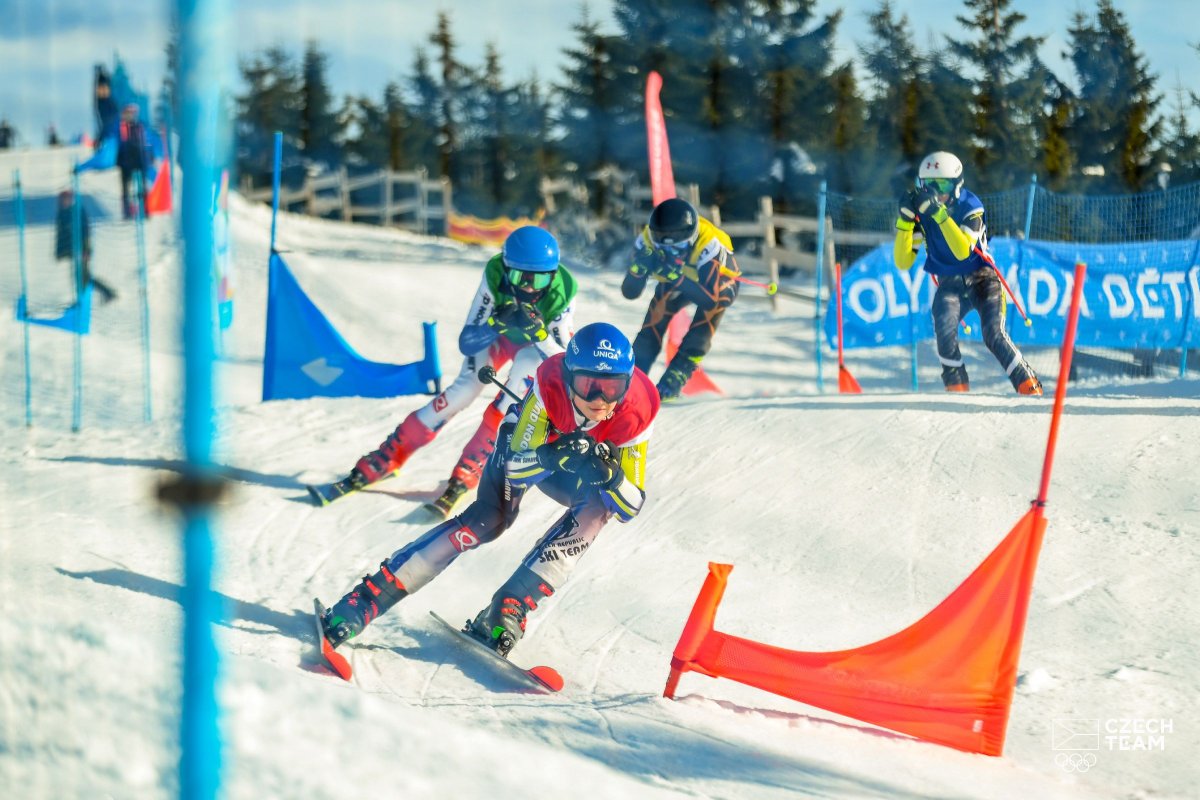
{"x": 406, "y": 203}
{"x": 409, "y": 200}
{"x": 761, "y": 252}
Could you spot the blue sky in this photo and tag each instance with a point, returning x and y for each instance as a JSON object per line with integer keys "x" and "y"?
{"x": 48, "y": 47}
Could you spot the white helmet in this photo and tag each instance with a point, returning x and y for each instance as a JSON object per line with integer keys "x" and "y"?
{"x": 943, "y": 168}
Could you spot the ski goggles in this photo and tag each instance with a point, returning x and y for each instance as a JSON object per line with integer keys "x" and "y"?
{"x": 940, "y": 185}
{"x": 529, "y": 280}
{"x": 590, "y": 386}
{"x": 675, "y": 250}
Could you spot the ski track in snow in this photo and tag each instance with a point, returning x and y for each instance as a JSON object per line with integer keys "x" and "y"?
{"x": 847, "y": 518}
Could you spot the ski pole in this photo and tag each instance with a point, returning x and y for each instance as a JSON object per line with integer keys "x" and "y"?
{"x": 771, "y": 287}
{"x": 992, "y": 263}
{"x": 488, "y": 375}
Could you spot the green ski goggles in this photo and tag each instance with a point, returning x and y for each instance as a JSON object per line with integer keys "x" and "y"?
{"x": 529, "y": 280}
{"x": 940, "y": 185}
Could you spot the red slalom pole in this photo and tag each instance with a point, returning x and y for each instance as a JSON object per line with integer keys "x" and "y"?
{"x": 846, "y": 382}
{"x": 1060, "y": 391}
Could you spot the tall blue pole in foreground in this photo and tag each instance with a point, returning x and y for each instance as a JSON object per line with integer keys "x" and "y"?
{"x": 820, "y": 269}
{"x": 201, "y": 74}
{"x": 80, "y": 287}
{"x": 20, "y": 208}
{"x": 143, "y": 291}
{"x": 278, "y": 165}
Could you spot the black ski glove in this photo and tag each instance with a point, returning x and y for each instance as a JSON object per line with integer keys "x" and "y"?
{"x": 567, "y": 453}
{"x": 908, "y": 205}
{"x": 520, "y": 323}
{"x": 601, "y": 469}
{"x": 929, "y": 207}
{"x": 634, "y": 282}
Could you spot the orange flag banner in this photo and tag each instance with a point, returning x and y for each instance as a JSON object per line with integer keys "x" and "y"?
{"x": 486, "y": 232}
{"x": 699, "y": 383}
{"x": 662, "y": 177}
{"x": 158, "y": 200}
{"x": 947, "y": 678}
{"x": 846, "y": 382}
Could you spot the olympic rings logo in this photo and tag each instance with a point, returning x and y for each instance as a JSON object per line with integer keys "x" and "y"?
{"x": 1075, "y": 762}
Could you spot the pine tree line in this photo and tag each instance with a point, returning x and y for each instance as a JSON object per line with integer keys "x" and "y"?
{"x": 756, "y": 102}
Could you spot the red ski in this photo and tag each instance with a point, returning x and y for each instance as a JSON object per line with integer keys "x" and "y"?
{"x": 541, "y": 678}
{"x": 336, "y": 661}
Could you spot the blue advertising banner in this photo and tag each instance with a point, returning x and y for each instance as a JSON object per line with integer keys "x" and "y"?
{"x": 1140, "y": 295}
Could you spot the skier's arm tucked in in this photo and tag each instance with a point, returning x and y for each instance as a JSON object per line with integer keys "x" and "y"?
{"x": 626, "y": 496}
{"x": 533, "y": 429}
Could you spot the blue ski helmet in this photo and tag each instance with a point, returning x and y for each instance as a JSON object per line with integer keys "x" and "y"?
{"x": 599, "y": 362}
{"x": 531, "y": 249}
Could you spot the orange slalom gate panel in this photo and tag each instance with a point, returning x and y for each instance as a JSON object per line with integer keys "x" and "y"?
{"x": 699, "y": 383}
{"x": 947, "y": 678}
{"x": 158, "y": 200}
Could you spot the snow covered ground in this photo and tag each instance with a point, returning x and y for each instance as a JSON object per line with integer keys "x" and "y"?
{"x": 846, "y": 518}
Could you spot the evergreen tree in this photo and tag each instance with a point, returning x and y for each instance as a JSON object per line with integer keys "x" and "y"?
{"x": 401, "y": 152}
{"x": 850, "y": 139}
{"x": 945, "y": 105}
{"x": 494, "y": 147}
{"x": 1181, "y": 147}
{"x": 365, "y": 123}
{"x": 587, "y": 111}
{"x": 450, "y": 93}
{"x": 1058, "y": 158}
{"x": 424, "y": 122}
{"x": 1115, "y": 125}
{"x": 1008, "y": 93}
{"x": 318, "y": 122}
{"x": 895, "y": 72}
{"x": 796, "y": 93}
{"x": 271, "y": 103}
{"x": 166, "y": 110}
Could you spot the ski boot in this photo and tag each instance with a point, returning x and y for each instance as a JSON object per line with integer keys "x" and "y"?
{"x": 366, "y": 601}
{"x": 409, "y": 436}
{"x": 671, "y": 384}
{"x": 1030, "y": 386}
{"x": 442, "y": 506}
{"x": 496, "y": 637}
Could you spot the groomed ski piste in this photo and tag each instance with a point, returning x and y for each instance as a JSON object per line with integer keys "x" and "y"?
{"x": 846, "y": 519}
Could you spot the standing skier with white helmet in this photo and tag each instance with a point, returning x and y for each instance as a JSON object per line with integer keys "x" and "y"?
{"x": 580, "y": 436}
{"x": 950, "y": 221}
{"x": 522, "y": 312}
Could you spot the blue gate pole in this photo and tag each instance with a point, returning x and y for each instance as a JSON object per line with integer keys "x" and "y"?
{"x": 1029, "y": 205}
{"x": 912, "y": 341}
{"x": 821, "y": 196}
{"x": 1188, "y": 313}
{"x": 202, "y": 71}
{"x": 144, "y": 292}
{"x": 278, "y": 162}
{"x": 80, "y": 288}
{"x": 20, "y": 209}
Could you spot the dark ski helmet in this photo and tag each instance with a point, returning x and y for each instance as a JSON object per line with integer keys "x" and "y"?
{"x": 673, "y": 224}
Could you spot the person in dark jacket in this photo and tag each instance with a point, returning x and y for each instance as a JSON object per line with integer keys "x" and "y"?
{"x": 64, "y": 244}
{"x": 131, "y": 159}
{"x": 107, "y": 113}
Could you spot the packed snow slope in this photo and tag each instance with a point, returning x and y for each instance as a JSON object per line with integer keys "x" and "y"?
{"x": 846, "y": 518}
